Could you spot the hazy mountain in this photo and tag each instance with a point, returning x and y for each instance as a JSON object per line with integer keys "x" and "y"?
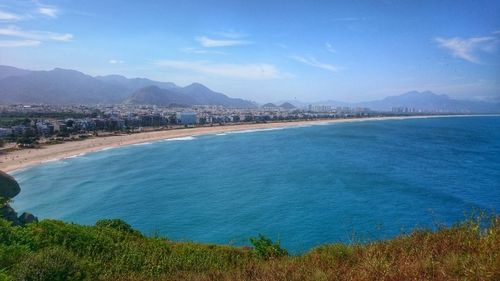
{"x": 194, "y": 94}
{"x": 269, "y": 105}
{"x": 64, "y": 86}
{"x": 204, "y": 96}
{"x": 294, "y": 102}
{"x": 58, "y": 86}
{"x": 424, "y": 101}
{"x": 287, "y": 105}
{"x": 6, "y": 71}
{"x": 157, "y": 96}
{"x": 429, "y": 101}
{"x": 134, "y": 84}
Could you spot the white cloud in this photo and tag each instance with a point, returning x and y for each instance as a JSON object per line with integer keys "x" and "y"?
{"x": 468, "y": 48}
{"x": 6, "y": 16}
{"x": 330, "y": 48}
{"x": 18, "y": 43}
{"x": 211, "y": 43}
{"x": 257, "y": 71}
{"x": 113, "y": 61}
{"x": 48, "y": 11}
{"x": 14, "y": 31}
{"x": 191, "y": 50}
{"x": 311, "y": 61}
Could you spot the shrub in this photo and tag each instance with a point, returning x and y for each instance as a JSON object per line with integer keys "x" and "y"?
{"x": 266, "y": 249}
{"x": 50, "y": 264}
{"x": 116, "y": 224}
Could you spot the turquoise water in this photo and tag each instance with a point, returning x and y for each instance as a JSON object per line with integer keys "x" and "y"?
{"x": 305, "y": 186}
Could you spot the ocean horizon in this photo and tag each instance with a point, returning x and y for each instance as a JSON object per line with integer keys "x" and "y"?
{"x": 305, "y": 185}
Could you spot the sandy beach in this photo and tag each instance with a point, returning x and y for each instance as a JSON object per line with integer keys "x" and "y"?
{"x": 23, "y": 158}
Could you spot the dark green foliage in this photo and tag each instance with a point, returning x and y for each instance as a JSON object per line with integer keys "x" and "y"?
{"x": 266, "y": 249}
{"x": 116, "y": 224}
{"x": 51, "y": 264}
{"x": 54, "y": 250}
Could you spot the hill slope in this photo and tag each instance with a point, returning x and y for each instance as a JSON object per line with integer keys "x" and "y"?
{"x": 64, "y": 86}
{"x": 58, "y": 86}
{"x": 112, "y": 250}
{"x": 431, "y": 102}
{"x": 194, "y": 94}
{"x": 134, "y": 84}
{"x": 7, "y": 71}
{"x": 155, "y": 95}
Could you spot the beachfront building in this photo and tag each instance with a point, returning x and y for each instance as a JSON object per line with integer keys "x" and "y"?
{"x": 187, "y": 118}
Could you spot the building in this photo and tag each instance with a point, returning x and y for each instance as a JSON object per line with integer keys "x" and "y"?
{"x": 5, "y": 132}
{"x": 187, "y": 118}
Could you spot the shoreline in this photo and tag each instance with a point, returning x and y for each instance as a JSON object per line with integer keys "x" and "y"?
{"x": 24, "y": 158}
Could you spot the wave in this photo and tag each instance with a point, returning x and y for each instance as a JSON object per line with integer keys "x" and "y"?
{"x": 75, "y": 156}
{"x": 49, "y": 160}
{"x": 142, "y": 143}
{"x": 256, "y": 130}
{"x": 180, "y": 139}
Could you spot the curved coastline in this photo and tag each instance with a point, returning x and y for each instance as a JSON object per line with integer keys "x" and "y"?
{"x": 22, "y": 159}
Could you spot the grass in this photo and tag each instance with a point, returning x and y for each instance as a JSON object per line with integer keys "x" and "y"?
{"x": 112, "y": 250}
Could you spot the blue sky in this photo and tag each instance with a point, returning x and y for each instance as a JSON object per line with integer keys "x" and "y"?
{"x": 267, "y": 50}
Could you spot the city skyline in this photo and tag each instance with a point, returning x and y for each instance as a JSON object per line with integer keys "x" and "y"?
{"x": 264, "y": 51}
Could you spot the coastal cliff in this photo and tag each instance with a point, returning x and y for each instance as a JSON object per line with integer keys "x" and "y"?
{"x": 9, "y": 188}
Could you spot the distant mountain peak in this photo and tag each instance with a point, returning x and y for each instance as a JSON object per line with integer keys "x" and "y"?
{"x": 8, "y": 71}
{"x": 287, "y": 105}
{"x": 189, "y": 95}
{"x": 66, "y": 86}
{"x": 197, "y": 86}
{"x": 428, "y": 101}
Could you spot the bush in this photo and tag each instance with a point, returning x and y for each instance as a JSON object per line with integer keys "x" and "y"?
{"x": 12, "y": 254}
{"x": 50, "y": 264}
{"x": 266, "y": 249}
{"x": 54, "y": 250}
{"x": 116, "y": 224}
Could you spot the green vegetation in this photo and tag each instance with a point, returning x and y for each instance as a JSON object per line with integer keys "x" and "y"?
{"x": 17, "y": 118}
{"x": 112, "y": 250}
{"x": 13, "y": 121}
{"x": 266, "y": 249}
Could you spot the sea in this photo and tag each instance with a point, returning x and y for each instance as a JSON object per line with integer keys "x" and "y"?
{"x": 349, "y": 182}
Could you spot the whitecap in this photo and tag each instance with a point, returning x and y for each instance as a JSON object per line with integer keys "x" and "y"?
{"x": 256, "y": 130}
{"x": 179, "y": 139}
{"x": 142, "y": 143}
{"x": 75, "y": 156}
{"x": 49, "y": 160}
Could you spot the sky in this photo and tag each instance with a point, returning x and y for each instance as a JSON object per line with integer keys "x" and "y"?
{"x": 267, "y": 50}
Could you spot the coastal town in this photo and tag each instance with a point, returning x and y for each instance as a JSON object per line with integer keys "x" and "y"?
{"x": 29, "y": 125}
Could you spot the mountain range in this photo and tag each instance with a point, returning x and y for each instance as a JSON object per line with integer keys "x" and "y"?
{"x": 423, "y": 101}
{"x": 64, "y": 86}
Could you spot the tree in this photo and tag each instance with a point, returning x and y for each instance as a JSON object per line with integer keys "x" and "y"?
{"x": 266, "y": 249}
{"x": 172, "y": 119}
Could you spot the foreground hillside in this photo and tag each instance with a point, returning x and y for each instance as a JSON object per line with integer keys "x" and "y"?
{"x": 111, "y": 250}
